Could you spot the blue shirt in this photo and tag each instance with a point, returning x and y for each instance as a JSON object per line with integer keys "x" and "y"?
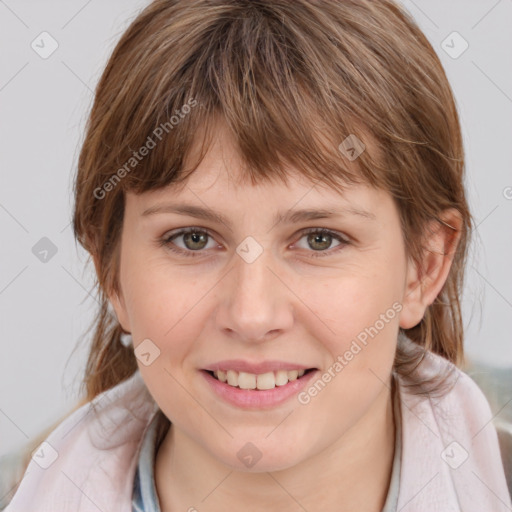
{"x": 145, "y": 498}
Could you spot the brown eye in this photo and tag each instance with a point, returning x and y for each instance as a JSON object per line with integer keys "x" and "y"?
{"x": 320, "y": 241}
{"x": 192, "y": 241}
{"x": 195, "y": 240}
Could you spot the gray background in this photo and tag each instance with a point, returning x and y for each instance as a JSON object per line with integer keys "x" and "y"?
{"x": 46, "y": 306}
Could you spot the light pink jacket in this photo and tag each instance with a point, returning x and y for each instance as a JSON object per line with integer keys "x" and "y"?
{"x": 450, "y": 454}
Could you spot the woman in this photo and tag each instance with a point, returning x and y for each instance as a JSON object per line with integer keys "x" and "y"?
{"x": 272, "y": 195}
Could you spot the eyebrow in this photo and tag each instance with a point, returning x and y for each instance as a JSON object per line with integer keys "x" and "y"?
{"x": 290, "y": 216}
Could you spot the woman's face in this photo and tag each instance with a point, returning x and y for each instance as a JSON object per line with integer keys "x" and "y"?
{"x": 251, "y": 289}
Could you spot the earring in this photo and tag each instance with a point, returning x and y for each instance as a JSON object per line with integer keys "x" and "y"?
{"x": 126, "y": 339}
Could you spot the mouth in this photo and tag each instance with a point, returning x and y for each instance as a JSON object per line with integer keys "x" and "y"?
{"x": 259, "y": 382}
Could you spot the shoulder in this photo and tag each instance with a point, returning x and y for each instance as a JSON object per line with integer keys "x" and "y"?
{"x": 434, "y": 379}
{"x": 12, "y": 468}
{"x": 472, "y": 400}
{"x": 457, "y": 399}
{"x": 438, "y": 382}
{"x": 496, "y": 383}
{"x": 103, "y": 435}
{"x": 504, "y": 430}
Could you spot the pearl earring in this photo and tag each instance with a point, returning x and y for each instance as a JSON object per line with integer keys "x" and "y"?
{"x": 126, "y": 339}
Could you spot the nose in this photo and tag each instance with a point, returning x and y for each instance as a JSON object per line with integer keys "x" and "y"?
{"x": 255, "y": 305}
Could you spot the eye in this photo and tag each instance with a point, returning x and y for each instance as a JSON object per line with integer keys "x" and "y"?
{"x": 320, "y": 239}
{"x": 194, "y": 240}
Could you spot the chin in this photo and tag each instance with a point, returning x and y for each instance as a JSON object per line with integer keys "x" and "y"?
{"x": 251, "y": 459}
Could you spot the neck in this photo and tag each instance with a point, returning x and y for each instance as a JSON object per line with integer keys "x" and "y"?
{"x": 355, "y": 473}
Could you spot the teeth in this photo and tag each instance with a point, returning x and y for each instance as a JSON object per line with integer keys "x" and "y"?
{"x": 281, "y": 378}
{"x": 264, "y": 381}
{"x": 293, "y": 375}
{"x": 246, "y": 380}
{"x": 268, "y": 380}
{"x": 232, "y": 378}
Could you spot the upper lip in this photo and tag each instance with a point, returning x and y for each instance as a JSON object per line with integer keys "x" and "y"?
{"x": 239, "y": 365}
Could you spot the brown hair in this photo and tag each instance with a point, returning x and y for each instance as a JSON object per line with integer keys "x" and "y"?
{"x": 291, "y": 80}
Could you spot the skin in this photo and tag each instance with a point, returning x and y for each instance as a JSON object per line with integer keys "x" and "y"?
{"x": 334, "y": 453}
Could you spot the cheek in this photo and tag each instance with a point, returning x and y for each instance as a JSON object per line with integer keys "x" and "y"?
{"x": 157, "y": 295}
{"x": 169, "y": 317}
{"x": 166, "y": 309}
{"x": 362, "y": 315}
{"x": 358, "y": 304}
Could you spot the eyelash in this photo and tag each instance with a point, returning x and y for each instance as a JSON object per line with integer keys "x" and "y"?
{"x": 167, "y": 241}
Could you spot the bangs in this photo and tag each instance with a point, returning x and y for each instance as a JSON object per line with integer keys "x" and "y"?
{"x": 266, "y": 156}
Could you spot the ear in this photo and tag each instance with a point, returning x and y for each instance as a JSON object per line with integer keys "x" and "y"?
{"x": 425, "y": 279}
{"x": 117, "y": 302}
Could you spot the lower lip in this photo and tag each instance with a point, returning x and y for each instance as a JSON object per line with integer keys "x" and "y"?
{"x": 255, "y": 398}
